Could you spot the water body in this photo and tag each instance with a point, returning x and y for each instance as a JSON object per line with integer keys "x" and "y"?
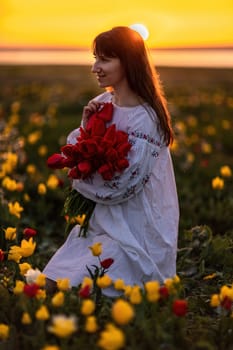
{"x": 219, "y": 58}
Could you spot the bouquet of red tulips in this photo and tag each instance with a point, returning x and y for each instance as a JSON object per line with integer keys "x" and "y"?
{"x": 99, "y": 149}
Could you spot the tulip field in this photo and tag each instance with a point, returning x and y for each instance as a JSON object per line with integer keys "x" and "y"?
{"x": 39, "y": 106}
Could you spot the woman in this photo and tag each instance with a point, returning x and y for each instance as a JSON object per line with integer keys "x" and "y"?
{"x": 135, "y": 218}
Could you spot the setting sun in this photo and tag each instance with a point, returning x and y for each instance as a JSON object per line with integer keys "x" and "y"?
{"x": 75, "y": 23}
{"x": 141, "y": 29}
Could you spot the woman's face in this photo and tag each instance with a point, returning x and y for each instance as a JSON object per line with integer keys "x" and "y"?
{"x": 109, "y": 71}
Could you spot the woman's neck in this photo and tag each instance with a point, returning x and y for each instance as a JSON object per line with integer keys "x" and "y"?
{"x": 125, "y": 97}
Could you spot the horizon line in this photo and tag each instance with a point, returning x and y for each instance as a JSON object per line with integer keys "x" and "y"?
{"x": 85, "y": 48}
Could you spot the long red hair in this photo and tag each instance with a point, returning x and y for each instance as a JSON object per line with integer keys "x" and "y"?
{"x": 129, "y": 47}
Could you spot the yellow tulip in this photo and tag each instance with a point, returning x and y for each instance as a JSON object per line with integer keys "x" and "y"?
{"x": 42, "y": 150}
{"x": 58, "y": 299}
{"x": 27, "y": 247}
{"x": 104, "y": 281}
{"x": 34, "y": 137}
{"x": 10, "y": 233}
{"x": 119, "y": 284}
{"x": 52, "y": 182}
{"x": 225, "y": 171}
{"x": 15, "y": 253}
{"x": 112, "y": 338}
{"x": 87, "y": 307}
{"x": 152, "y": 290}
{"x": 215, "y": 301}
{"x": 122, "y": 312}
{"x": 63, "y": 284}
{"x": 135, "y": 295}
{"x": 24, "y": 267}
{"x": 91, "y": 325}
{"x": 4, "y": 331}
{"x": 63, "y": 326}
{"x": 19, "y": 286}
{"x": 41, "y": 189}
{"x": 41, "y": 280}
{"x": 96, "y": 249}
{"x": 87, "y": 281}
{"x": 217, "y": 183}
{"x": 41, "y": 294}
{"x": 42, "y": 313}
{"x": 15, "y": 209}
{"x": 51, "y": 347}
{"x": 31, "y": 169}
{"x": 26, "y": 318}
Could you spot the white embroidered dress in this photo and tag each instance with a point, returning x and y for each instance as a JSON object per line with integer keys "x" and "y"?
{"x": 136, "y": 215}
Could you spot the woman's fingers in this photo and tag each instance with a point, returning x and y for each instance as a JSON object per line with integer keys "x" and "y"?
{"x": 92, "y": 107}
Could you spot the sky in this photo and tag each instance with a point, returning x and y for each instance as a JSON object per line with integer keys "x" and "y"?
{"x": 74, "y": 23}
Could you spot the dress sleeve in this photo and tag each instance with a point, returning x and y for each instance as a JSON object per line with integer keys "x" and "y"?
{"x": 146, "y": 147}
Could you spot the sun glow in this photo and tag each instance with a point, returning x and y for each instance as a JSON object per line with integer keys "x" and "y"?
{"x": 75, "y": 23}
{"x": 141, "y": 29}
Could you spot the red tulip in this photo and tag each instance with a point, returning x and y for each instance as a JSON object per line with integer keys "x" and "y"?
{"x": 85, "y": 168}
{"x": 1, "y": 255}
{"x": 106, "y": 263}
{"x": 98, "y": 128}
{"x": 122, "y": 164}
{"x": 31, "y": 289}
{"x": 84, "y": 292}
{"x": 74, "y": 173}
{"x": 29, "y": 232}
{"x": 110, "y": 134}
{"x": 226, "y": 303}
{"x": 106, "y": 171}
{"x": 56, "y": 161}
{"x": 163, "y": 292}
{"x": 106, "y": 112}
{"x": 67, "y": 150}
{"x": 180, "y": 307}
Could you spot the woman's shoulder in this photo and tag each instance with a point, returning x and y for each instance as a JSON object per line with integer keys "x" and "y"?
{"x": 144, "y": 117}
{"x": 145, "y": 125}
{"x": 104, "y": 97}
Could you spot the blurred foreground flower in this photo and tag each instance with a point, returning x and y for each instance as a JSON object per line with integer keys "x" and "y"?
{"x": 26, "y": 318}
{"x": 217, "y": 183}
{"x": 63, "y": 326}
{"x": 42, "y": 189}
{"x": 42, "y": 313}
{"x": 225, "y": 171}
{"x": 15, "y": 209}
{"x": 58, "y": 299}
{"x": 87, "y": 307}
{"x": 31, "y": 290}
{"x": 112, "y": 338}
{"x": 10, "y": 233}
{"x": 63, "y": 284}
{"x": 91, "y": 325}
{"x": 122, "y": 312}
{"x": 180, "y": 307}
{"x": 51, "y": 347}
{"x": 4, "y": 331}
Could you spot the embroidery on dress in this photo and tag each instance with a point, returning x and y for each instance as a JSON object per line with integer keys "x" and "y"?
{"x": 155, "y": 153}
{"x": 130, "y": 190}
{"x": 146, "y": 179}
{"x": 146, "y": 137}
{"x": 135, "y": 173}
{"x": 103, "y": 198}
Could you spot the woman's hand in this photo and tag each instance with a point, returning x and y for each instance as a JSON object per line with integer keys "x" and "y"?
{"x": 92, "y": 107}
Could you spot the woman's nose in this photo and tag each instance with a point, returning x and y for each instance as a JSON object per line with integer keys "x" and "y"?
{"x": 96, "y": 68}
